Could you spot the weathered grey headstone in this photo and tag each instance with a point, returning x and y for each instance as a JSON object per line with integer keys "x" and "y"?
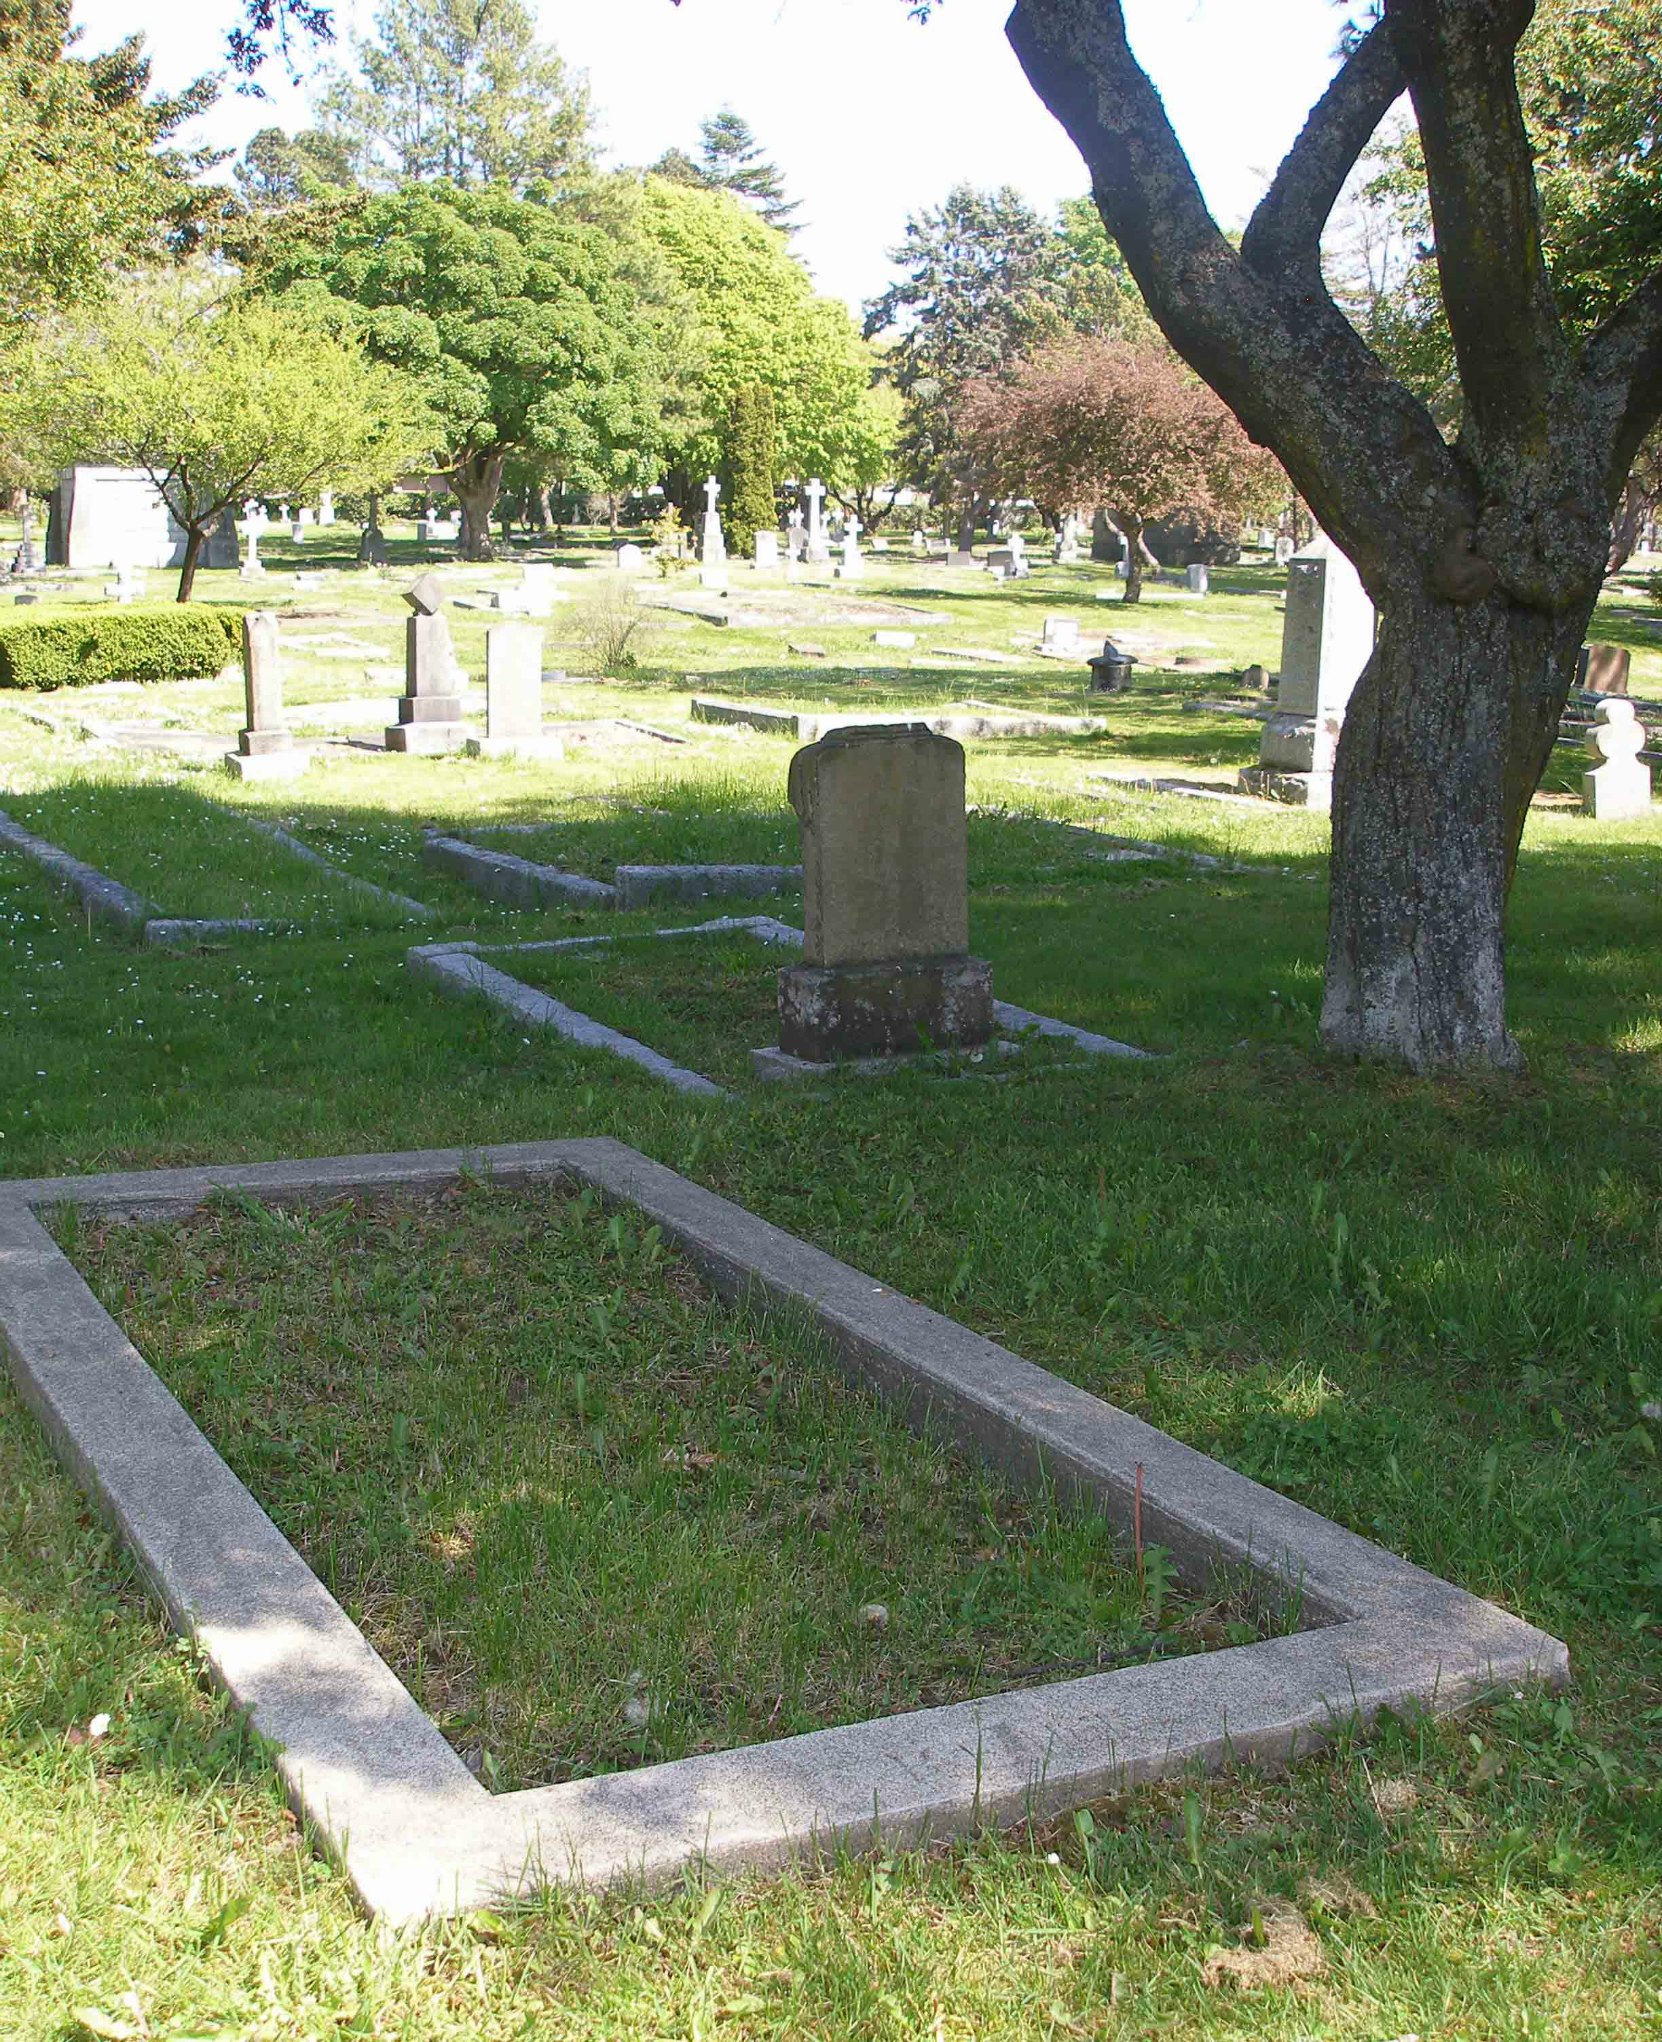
{"x": 221, "y": 549}
{"x": 796, "y": 537}
{"x": 430, "y": 709}
{"x": 1326, "y": 640}
{"x": 1199, "y": 578}
{"x": 1283, "y": 549}
{"x": 1619, "y": 786}
{"x": 513, "y": 697}
{"x": 1604, "y": 669}
{"x": 372, "y": 547}
{"x": 265, "y": 748}
{"x": 885, "y": 969}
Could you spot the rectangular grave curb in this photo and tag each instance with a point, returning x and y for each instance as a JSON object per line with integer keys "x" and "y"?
{"x": 418, "y": 1835}
{"x": 461, "y": 969}
{"x": 808, "y": 726}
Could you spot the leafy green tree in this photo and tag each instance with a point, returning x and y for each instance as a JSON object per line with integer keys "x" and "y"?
{"x": 278, "y": 169}
{"x": 460, "y": 91}
{"x": 978, "y": 292}
{"x": 867, "y": 465}
{"x": 531, "y": 328}
{"x": 219, "y": 400}
{"x": 752, "y": 317}
{"x": 730, "y": 159}
{"x": 752, "y": 499}
{"x": 88, "y": 183}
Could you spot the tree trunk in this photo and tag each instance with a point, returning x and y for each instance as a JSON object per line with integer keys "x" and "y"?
{"x": 194, "y": 539}
{"x": 477, "y": 482}
{"x": 968, "y": 518}
{"x": 1135, "y": 551}
{"x": 1435, "y": 770}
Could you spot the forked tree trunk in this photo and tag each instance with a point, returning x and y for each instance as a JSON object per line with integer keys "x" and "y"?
{"x": 1435, "y": 771}
{"x": 477, "y": 483}
{"x": 1132, "y": 531}
{"x": 194, "y": 540}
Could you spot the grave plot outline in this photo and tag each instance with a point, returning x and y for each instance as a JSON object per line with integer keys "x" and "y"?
{"x": 418, "y": 1835}
{"x": 463, "y": 968}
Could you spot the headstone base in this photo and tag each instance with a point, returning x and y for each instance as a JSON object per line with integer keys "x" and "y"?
{"x": 1293, "y": 790}
{"x": 426, "y": 739}
{"x": 254, "y": 744}
{"x": 287, "y": 764}
{"x": 831, "y": 1011}
{"x": 515, "y": 748}
{"x": 1617, "y": 792}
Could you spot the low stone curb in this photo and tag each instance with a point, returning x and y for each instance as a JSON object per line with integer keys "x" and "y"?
{"x": 418, "y": 910}
{"x": 418, "y": 1835}
{"x": 808, "y": 727}
{"x": 461, "y": 968}
{"x": 105, "y": 900}
{"x": 515, "y": 882}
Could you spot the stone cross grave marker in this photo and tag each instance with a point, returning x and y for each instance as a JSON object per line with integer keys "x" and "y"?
{"x": 1619, "y": 786}
{"x": 430, "y": 708}
{"x": 886, "y": 968}
{"x": 1326, "y": 640}
{"x": 853, "y": 567}
{"x": 819, "y": 546}
{"x": 265, "y": 747}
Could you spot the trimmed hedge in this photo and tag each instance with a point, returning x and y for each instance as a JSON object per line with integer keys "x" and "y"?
{"x": 178, "y": 643}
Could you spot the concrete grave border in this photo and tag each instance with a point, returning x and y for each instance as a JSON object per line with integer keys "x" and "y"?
{"x": 417, "y": 1835}
{"x": 517, "y": 882}
{"x": 129, "y": 913}
{"x": 980, "y": 722}
{"x": 461, "y": 968}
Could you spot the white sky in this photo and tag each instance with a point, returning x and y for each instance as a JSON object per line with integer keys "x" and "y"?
{"x": 870, "y": 116}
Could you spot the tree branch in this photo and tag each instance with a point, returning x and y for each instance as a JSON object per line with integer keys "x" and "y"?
{"x": 1286, "y": 231}
{"x": 1359, "y": 446}
{"x": 1515, "y": 362}
{"x": 1623, "y": 363}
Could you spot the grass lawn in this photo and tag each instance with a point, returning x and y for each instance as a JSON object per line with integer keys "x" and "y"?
{"x": 1431, "y": 1310}
{"x": 592, "y": 1517}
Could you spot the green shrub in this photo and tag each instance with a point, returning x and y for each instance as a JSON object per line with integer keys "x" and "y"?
{"x": 178, "y": 643}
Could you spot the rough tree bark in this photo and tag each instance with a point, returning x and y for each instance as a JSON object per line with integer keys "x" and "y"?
{"x": 1483, "y": 557}
{"x": 1136, "y": 554}
{"x": 476, "y": 482}
{"x": 195, "y": 539}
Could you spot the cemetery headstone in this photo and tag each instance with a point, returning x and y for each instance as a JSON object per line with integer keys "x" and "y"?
{"x": 1619, "y": 786}
{"x": 31, "y": 555}
{"x": 631, "y": 559}
{"x": 1061, "y": 636}
{"x": 221, "y": 549}
{"x": 430, "y": 708}
{"x": 1067, "y": 541}
{"x": 1019, "y": 569}
{"x": 326, "y": 507}
{"x": 513, "y": 696}
{"x": 767, "y": 551}
{"x": 919, "y": 543}
{"x": 1106, "y": 544}
{"x": 1199, "y": 578}
{"x": 796, "y": 537}
{"x": 372, "y": 547}
{"x": 1283, "y": 549}
{"x": 1326, "y": 640}
{"x": 712, "y": 555}
{"x": 885, "y": 968}
{"x": 852, "y": 567}
{"x": 1603, "y": 669}
{"x": 819, "y": 546}
{"x": 298, "y": 531}
{"x": 265, "y": 747}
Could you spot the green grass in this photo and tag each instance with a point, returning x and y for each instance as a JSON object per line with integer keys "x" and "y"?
{"x": 592, "y": 1517}
{"x": 1432, "y": 1310}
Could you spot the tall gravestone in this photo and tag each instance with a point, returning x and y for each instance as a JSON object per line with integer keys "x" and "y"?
{"x": 712, "y": 552}
{"x": 513, "y": 697}
{"x": 1326, "y": 640}
{"x": 430, "y": 708}
{"x": 819, "y": 544}
{"x": 886, "y": 969}
{"x": 265, "y": 747}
